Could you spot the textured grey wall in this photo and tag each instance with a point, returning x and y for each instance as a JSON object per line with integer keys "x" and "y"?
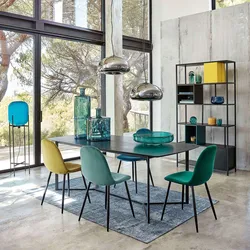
{"x": 214, "y": 35}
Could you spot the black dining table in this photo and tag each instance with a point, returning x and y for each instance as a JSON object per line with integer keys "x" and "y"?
{"x": 126, "y": 145}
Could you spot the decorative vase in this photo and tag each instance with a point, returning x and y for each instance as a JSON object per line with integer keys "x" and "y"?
{"x": 191, "y": 77}
{"x": 193, "y": 120}
{"x": 98, "y": 128}
{"x": 211, "y": 121}
{"x": 81, "y": 114}
{"x": 198, "y": 75}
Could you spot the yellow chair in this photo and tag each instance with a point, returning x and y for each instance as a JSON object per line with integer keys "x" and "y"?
{"x": 54, "y": 163}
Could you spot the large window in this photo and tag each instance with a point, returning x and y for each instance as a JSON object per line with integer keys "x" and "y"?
{"x": 81, "y": 13}
{"x": 21, "y": 7}
{"x": 16, "y": 83}
{"x": 227, "y": 3}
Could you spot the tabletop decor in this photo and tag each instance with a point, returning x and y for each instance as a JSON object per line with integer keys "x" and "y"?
{"x": 198, "y": 75}
{"x": 81, "y": 114}
{"x": 154, "y": 138}
{"x": 217, "y": 99}
{"x": 98, "y": 128}
{"x": 211, "y": 121}
{"x": 191, "y": 77}
{"x": 219, "y": 122}
{"x": 193, "y": 120}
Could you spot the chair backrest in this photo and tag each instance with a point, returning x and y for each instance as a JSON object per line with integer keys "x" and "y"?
{"x": 204, "y": 166}
{"x": 143, "y": 131}
{"x": 18, "y": 113}
{"x": 95, "y": 167}
{"x": 52, "y": 157}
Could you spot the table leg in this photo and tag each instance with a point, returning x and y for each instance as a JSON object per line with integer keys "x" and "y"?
{"x": 56, "y": 175}
{"x": 187, "y": 169}
{"x": 148, "y": 188}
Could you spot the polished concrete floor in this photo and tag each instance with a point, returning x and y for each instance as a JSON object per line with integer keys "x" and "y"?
{"x": 24, "y": 224}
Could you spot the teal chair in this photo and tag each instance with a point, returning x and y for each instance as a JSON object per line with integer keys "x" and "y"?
{"x": 96, "y": 170}
{"x": 202, "y": 172}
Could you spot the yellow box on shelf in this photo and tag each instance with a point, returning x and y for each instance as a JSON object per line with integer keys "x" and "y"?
{"x": 214, "y": 72}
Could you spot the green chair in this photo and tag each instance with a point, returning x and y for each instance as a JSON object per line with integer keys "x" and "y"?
{"x": 202, "y": 172}
{"x": 96, "y": 170}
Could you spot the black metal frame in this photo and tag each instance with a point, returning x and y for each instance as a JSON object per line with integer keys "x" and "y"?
{"x": 37, "y": 27}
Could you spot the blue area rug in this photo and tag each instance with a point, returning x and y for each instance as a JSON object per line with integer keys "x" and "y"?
{"x": 121, "y": 219}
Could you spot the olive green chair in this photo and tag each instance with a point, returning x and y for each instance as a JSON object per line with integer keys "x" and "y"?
{"x": 202, "y": 172}
{"x": 96, "y": 170}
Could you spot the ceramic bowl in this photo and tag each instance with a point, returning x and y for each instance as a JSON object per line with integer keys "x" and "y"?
{"x": 217, "y": 99}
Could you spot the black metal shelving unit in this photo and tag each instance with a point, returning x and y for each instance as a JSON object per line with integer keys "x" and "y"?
{"x": 193, "y": 93}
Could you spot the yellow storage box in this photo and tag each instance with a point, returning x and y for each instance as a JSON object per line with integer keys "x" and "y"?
{"x": 214, "y": 72}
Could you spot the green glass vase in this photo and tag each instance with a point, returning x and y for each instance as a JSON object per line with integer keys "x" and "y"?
{"x": 98, "y": 128}
{"x": 82, "y": 105}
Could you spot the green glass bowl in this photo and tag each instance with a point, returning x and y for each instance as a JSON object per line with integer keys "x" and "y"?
{"x": 154, "y": 138}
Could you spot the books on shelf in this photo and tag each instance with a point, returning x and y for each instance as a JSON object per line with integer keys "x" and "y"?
{"x": 186, "y": 101}
{"x": 186, "y": 93}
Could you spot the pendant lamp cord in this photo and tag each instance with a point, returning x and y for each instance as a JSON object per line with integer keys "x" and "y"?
{"x": 143, "y": 37}
{"x": 112, "y": 42}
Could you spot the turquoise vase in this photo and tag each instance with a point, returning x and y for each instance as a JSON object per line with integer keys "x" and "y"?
{"x": 81, "y": 114}
{"x": 98, "y": 128}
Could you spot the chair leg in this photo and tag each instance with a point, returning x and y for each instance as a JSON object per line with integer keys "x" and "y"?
{"x": 210, "y": 199}
{"x": 165, "y": 203}
{"x": 68, "y": 185}
{"x": 182, "y": 197}
{"x": 135, "y": 177}
{"x": 85, "y": 184}
{"x": 108, "y": 206}
{"x": 195, "y": 212}
{"x": 46, "y": 188}
{"x": 133, "y": 171}
{"x": 118, "y": 170}
{"x": 84, "y": 201}
{"x": 63, "y": 191}
{"x": 129, "y": 198}
{"x": 151, "y": 177}
{"x": 106, "y": 193}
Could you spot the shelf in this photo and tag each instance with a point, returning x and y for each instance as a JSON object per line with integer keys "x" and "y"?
{"x": 200, "y": 84}
{"x": 207, "y": 104}
{"x": 201, "y": 63}
{"x": 221, "y": 146}
{"x": 206, "y": 125}
{"x": 185, "y": 94}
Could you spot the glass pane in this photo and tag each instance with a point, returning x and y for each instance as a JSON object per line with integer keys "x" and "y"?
{"x": 132, "y": 13}
{"x": 21, "y": 7}
{"x": 227, "y": 3}
{"x": 66, "y": 66}
{"x": 136, "y": 113}
{"x": 16, "y": 84}
{"x": 81, "y": 13}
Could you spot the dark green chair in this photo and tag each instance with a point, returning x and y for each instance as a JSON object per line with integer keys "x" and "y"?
{"x": 202, "y": 172}
{"x": 96, "y": 170}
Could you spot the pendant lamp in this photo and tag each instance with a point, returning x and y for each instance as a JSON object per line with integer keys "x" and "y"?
{"x": 113, "y": 65}
{"x": 145, "y": 91}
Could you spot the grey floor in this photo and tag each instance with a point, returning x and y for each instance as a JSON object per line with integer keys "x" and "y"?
{"x": 24, "y": 224}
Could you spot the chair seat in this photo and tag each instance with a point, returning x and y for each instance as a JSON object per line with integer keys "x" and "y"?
{"x": 123, "y": 157}
{"x": 72, "y": 167}
{"x": 183, "y": 177}
{"x": 118, "y": 178}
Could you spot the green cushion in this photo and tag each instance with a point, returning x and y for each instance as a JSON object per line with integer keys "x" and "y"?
{"x": 118, "y": 178}
{"x": 183, "y": 177}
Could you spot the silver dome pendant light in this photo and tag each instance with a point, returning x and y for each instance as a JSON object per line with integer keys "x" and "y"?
{"x": 113, "y": 65}
{"x": 145, "y": 91}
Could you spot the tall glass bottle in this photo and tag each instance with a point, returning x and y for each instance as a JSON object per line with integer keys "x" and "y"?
{"x": 81, "y": 114}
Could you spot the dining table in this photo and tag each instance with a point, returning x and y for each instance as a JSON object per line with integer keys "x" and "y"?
{"x": 126, "y": 145}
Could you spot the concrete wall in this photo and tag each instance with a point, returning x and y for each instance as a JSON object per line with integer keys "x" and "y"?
{"x": 164, "y": 10}
{"x": 214, "y": 35}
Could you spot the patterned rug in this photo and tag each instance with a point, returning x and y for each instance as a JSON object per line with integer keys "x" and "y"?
{"x": 121, "y": 219}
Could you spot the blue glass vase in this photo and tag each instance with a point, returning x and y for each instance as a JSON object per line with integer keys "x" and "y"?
{"x": 81, "y": 114}
{"x": 98, "y": 128}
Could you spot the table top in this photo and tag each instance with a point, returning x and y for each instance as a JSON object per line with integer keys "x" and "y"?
{"x": 126, "y": 145}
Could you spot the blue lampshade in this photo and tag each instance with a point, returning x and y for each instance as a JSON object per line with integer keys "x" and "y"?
{"x": 18, "y": 113}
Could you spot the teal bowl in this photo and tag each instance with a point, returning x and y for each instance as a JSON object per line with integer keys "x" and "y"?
{"x": 154, "y": 138}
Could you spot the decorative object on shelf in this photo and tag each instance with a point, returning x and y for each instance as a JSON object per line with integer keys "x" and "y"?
{"x": 198, "y": 75}
{"x": 211, "y": 121}
{"x": 219, "y": 122}
{"x": 18, "y": 117}
{"x": 98, "y": 128}
{"x": 154, "y": 138}
{"x": 113, "y": 65}
{"x": 193, "y": 138}
{"x": 145, "y": 91}
{"x": 214, "y": 72}
{"x": 217, "y": 99}
{"x": 191, "y": 77}
{"x": 193, "y": 120}
{"x": 82, "y": 105}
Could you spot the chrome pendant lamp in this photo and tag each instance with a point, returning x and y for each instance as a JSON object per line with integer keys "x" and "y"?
{"x": 145, "y": 91}
{"x": 113, "y": 65}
